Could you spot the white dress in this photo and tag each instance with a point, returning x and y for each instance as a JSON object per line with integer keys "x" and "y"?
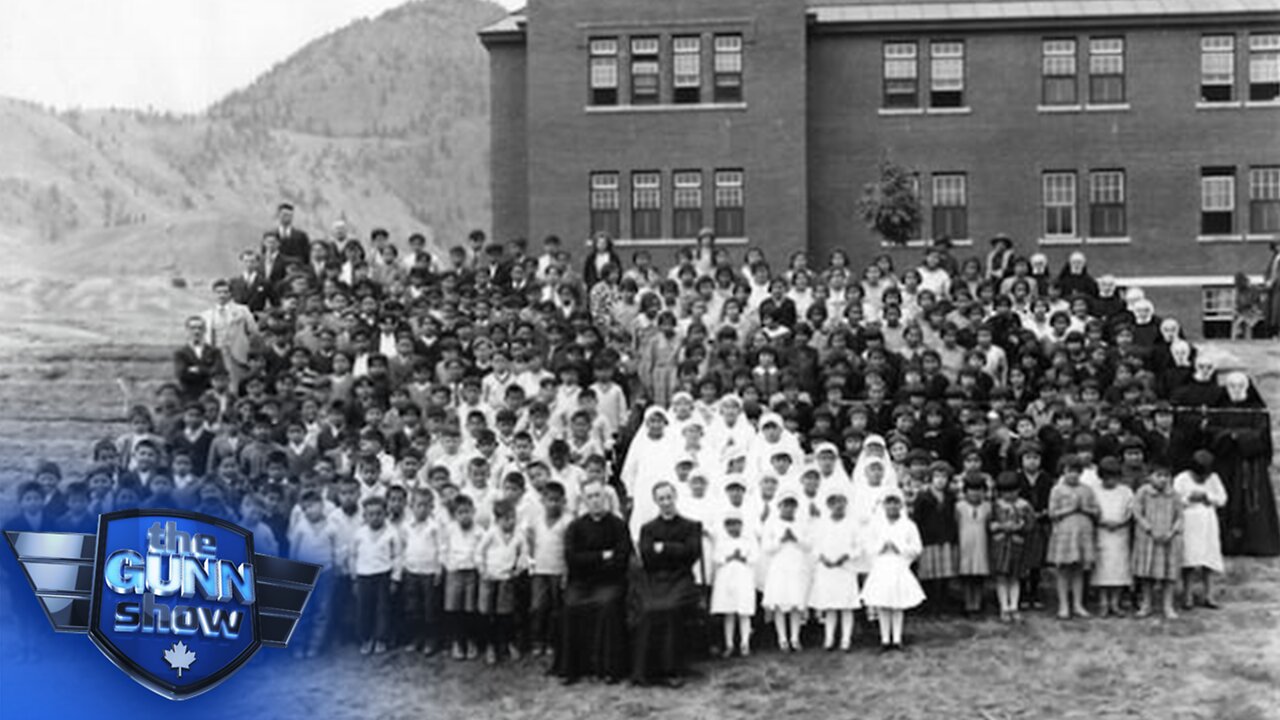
{"x": 786, "y": 582}
{"x": 734, "y": 590}
{"x": 891, "y": 584}
{"x": 834, "y": 588}
{"x": 1113, "y": 568}
{"x": 1201, "y": 543}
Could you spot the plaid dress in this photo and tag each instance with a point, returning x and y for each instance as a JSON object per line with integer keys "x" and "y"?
{"x": 1072, "y": 541}
{"x": 1162, "y": 510}
{"x": 1011, "y": 523}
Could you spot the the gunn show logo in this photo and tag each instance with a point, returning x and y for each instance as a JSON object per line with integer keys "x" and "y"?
{"x": 177, "y": 600}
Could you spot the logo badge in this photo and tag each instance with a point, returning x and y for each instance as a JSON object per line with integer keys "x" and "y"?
{"x": 177, "y": 600}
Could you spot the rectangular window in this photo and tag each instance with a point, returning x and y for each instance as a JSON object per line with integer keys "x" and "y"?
{"x": 604, "y": 71}
{"x": 1217, "y": 68}
{"x": 951, "y": 206}
{"x": 1106, "y": 204}
{"x": 901, "y": 75}
{"x": 1264, "y": 67}
{"x": 686, "y": 66}
{"x": 1060, "y": 205}
{"x": 1059, "y": 71}
{"x": 646, "y": 205}
{"x": 644, "y": 71}
{"x": 1264, "y": 200}
{"x": 728, "y": 68}
{"x": 1106, "y": 71}
{"x": 686, "y": 203}
{"x": 1217, "y": 200}
{"x": 946, "y": 74}
{"x": 730, "y": 203}
{"x": 1217, "y": 310}
{"x": 605, "y": 203}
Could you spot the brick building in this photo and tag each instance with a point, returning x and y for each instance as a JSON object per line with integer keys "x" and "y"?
{"x": 1144, "y": 132}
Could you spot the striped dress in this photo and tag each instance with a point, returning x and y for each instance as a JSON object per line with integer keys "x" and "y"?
{"x": 1011, "y": 523}
{"x": 1072, "y": 541}
{"x": 1162, "y": 510}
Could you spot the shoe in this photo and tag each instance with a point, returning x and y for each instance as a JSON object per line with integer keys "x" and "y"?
{"x": 885, "y": 647}
{"x": 366, "y": 647}
{"x": 726, "y": 653}
{"x": 569, "y": 680}
{"x": 1064, "y": 614}
{"x": 1210, "y": 604}
{"x": 536, "y": 651}
{"x": 491, "y": 656}
{"x": 1170, "y": 614}
{"x": 1142, "y": 612}
{"x": 746, "y": 651}
{"x": 457, "y": 653}
{"x": 784, "y": 647}
{"x": 795, "y": 645}
{"x": 379, "y": 648}
{"x": 846, "y": 647}
{"x": 410, "y": 648}
{"x": 829, "y": 646}
{"x": 612, "y": 679}
{"x": 428, "y": 650}
{"x": 473, "y": 651}
{"x": 1081, "y": 612}
{"x": 675, "y": 683}
{"x": 513, "y": 652}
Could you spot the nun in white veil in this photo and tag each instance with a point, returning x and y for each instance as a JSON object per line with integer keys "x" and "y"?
{"x": 874, "y": 448}
{"x": 651, "y": 459}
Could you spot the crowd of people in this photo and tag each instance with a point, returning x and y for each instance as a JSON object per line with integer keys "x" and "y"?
{"x": 621, "y": 466}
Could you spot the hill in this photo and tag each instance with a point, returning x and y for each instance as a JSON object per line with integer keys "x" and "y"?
{"x": 383, "y": 122}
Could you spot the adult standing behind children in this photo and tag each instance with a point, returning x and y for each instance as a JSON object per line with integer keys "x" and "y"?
{"x": 231, "y": 328}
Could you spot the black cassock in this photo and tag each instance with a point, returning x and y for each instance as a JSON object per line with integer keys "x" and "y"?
{"x": 668, "y": 598}
{"x": 1240, "y": 436}
{"x": 594, "y": 630}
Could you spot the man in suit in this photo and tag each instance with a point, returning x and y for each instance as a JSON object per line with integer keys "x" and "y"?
{"x": 231, "y": 328}
{"x": 293, "y": 242}
{"x": 274, "y": 261}
{"x": 251, "y": 287}
{"x": 197, "y": 362}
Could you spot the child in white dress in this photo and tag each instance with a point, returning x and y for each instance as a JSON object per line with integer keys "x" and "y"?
{"x": 733, "y": 592}
{"x": 834, "y": 592}
{"x": 1202, "y": 494}
{"x": 891, "y": 588}
{"x": 786, "y": 544}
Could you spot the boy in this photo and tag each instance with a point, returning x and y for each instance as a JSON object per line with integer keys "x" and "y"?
{"x": 252, "y": 512}
{"x": 314, "y": 539}
{"x": 375, "y": 563}
{"x": 422, "y": 575}
{"x": 460, "y": 538}
{"x": 77, "y": 518}
{"x": 545, "y": 538}
{"x": 500, "y": 557}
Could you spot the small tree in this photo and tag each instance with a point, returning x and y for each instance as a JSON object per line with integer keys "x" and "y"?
{"x": 891, "y": 205}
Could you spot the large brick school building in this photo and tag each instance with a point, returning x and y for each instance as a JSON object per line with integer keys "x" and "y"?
{"x": 1145, "y": 132}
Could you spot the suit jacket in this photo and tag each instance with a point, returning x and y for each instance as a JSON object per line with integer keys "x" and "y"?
{"x": 294, "y": 243}
{"x": 254, "y": 294}
{"x": 194, "y": 369}
{"x": 275, "y": 271}
{"x": 232, "y": 329}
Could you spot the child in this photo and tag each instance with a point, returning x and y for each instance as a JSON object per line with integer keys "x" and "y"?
{"x": 422, "y": 574}
{"x": 461, "y": 580}
{"x": 1157, "y": 542}
{"x": 77, "y": 518}
{"x": 314, "y": 539}
{"x": 545, "y": 537}
{"x": 252, "y": 512}
{"x": 1011, "y": 520}
{"x": 1072, "y": 510}
{"x": 30, "y": 517}
{"x": 835, "y": 579}
{"x": 786, "y": 544}
{"x": 934, "y": 514}
{"x": 973, "y": 513}
{"x": 500, "y": 556}
{"x": 1115, "y": 512}
{"x": 891, "y": 589}
{"x": 376, "y": 564}
{"x": 1202, "y": 495}
{"x": 733, "y": 592}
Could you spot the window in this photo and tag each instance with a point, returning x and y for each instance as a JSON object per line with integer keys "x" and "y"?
{"x": 950, "y": 206}
{"x": 604, "y": 71}
{"x": 1217, "y": 200}
{"x": 686, "y": 203}
{"x": 728, "y": 68}
{"x": 604, "y": 203}
{"x": 1059, "y": 70}
{"x": 730, "y": 200}
{"x": 1217, "y": 310}
{"x": 1060, "y": 205}
{"x": 946, "y": 74}
{"x": 1264, "y": 200}
{"x": 901, "y": 75}
{"x": 686, "y": 64}
{"x": 1217, "y": 68}
{"x": 1264, "y": 67}
{"x": 646, "y": 205}
{"x": 1106, "y": 71}
{"x": 644, "y": 71}
{"x": 1106, "y": 203}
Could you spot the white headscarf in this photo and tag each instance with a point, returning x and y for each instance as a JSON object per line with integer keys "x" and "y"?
{"x": 1237, "y": 384}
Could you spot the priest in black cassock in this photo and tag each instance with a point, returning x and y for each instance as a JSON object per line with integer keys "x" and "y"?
{"x": 670, "y": 546}
{"x": 597, "y": 548}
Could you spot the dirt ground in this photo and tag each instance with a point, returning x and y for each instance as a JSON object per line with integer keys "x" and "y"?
{"x": 60, "y": 390}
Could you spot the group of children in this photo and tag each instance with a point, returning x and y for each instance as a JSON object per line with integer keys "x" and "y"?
{"x": 847, "y": 446}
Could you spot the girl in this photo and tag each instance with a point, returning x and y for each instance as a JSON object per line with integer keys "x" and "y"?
{"x": 659, "y": 358}
{"x": 1011, "y": 520}
{"x": 1202, "y": 495}
{"x": 1157, "y": 543}
{"x": 786, "y": 584}
{"x": 835, "y": 580}
{"x": 733, "y": 592}
{"x": 973, "y": 513}
{"x": 1072, "y": 510}
{"x": 1115, "y": 511}
{"x": 891, "y": 589}
{"x": 935, "y": 515}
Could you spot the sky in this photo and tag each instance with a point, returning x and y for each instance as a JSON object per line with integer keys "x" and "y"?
{"x": 175, "y": 55}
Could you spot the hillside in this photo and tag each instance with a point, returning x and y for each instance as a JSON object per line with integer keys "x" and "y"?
{"x": 382, "y": 122}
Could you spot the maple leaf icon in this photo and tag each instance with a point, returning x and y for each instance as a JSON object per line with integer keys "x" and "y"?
{"x": 179, "y": 657}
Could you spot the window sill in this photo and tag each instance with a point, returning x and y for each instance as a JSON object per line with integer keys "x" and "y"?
{"x": 948, "y": 110}
{"x": 1221, "y": 105}
{"x": 1061, "y": 240}
{"x": 1113, "y": 107}
{"x": 1262, "y": 103}
{"x": 955, "y": 242}
{"x": 891, "y": 112}
{"x": 675, "y": 242}
{"x": 664, "y": 107}
{"x": 1219, "y": 238}
{"x": 1051, "y": 109}
{"x": 1262, "y": 237}
{"x": 1122, "y": 240}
